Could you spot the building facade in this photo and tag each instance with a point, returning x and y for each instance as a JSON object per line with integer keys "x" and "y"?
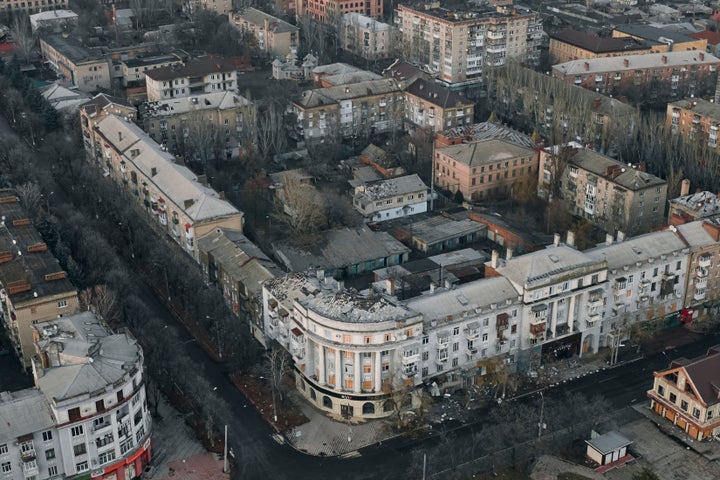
{"x": 694, "y": 118}
{"x": 366, "y": 37}
{"x": 194, "y": 77}
{"x": 430, "y": 105}
{"x": 87, "y": 415}
{"x": 457, "y": 45}
{"x": 685, "y": 394}
{"x": 33, "y": 287}
{"x": 331, "y": 11}
{"x": 392, "y": 198}
{"x": 178, "y": 203}
{"x": 224, "y": 120}
{"x": 273, "y": 35}
{"x": 483, "y": 169}
{"x": 21, "y": 6}
{"x": 702, "y": 282}
{"x": 608, "y": 193}
{"x": 75, "y": 65}
{"x": 569, "y": 44}
{"x": 678, "y": 70}
{"x": 133, "y": 69}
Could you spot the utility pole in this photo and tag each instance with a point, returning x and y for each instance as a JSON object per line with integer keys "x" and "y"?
{"x": 225, "y": 452}
{"x": 542, "y": 407}
{"x": 424, "y": 464}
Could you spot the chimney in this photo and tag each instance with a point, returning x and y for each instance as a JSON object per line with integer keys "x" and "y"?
{"x": 432, "y": 287}
{"x": 556, "y": 239}
{"x": 495, "y": 257}
{"x": 120, "y": 136}
{"x": 221, "y": 194}
{"x": 202, "y": 179}
{"x": 153, "y": 171}
{"x": 626, "y": 62}
{"x": 597, "y": 102}
{"x": 712, "y": 230}
{"x": 685, "y": 187}
{"x": 390, "y": 286}
{"x": 620, "y": 236}
{"x": 608, "y": 239}
{"x": 570, "y": 240}
{"x": 663, "y": 58}
{"x": 509, "y": 254}
{"x": 701, "y": 55}
{"x": 587, "y": 66}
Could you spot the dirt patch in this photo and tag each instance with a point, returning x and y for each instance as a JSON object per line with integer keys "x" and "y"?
{"x": 259, "y": 392}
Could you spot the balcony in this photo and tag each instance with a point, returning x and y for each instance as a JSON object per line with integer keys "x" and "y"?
{"x": 700, "y": 294}
{"x": 704, "y": 261}
{"x": 539, "y": 314}
{"x": 701, "y": 282}
{"x": 595, "y": 298}
{"x": 30, "y": 468}
{"x": 493, "y": 35}
{"x": 593, "y": 317}
{"x": 28, "y": 455}
{"x": 472, "y": 330}
{"x": 410, "y": 356}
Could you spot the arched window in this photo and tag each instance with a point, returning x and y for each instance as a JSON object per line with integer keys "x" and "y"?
{"x": 368, "y": 408}
{"x": 312, "y": 394}
{"x": 327, "y": 403}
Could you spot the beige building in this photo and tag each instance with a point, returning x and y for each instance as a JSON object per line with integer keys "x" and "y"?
{"x": 703, "y": 278}
{"x": 97, "y": 108}
{"x": 133, "y": 69}
{"x": 22, "y": 6}
{"x": 457, "y": 45}
{"x": 201, "y": 75}
{"x": 178, "y": 202}
{"x": 362, "y": 108}
{"x": 274, "y": 36}
{"x": 366, "y": 37}
{"x": 436, "y": 107}
{"x": 33, "y": 287}
{"x": 224, "y": 119}
{"x": 76, "y": 65}
{"x": 694, "y": 118}
{"x": 483, "y": 169}
{"x": 609, "y": 193}
{"x": 391, "y": 198}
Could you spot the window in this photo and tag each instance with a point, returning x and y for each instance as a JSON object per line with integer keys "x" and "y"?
{"x": 485, "y": 337}
{"x": 106, "y": 457}
{"x": 76, "y": 431}
{"x": 425, "y": 371}
{"x": 696, "y": 412}
{"x": 52, "y": 470}
{"x": 79, "y": 449}
{"x": 425, "y": 356}
{"x": 455, "y": 362}
{"x": 3, "y": 449}
{"x": 684, "y": 405}
{"x": 367, "y": 340}
{"x": 425, "y": 339}
{"x": 49, "y": 454}
{"x": 456, "y": 331}
{"x": 74, "y": 414}
{"x": 126, "y": 446}
{"x": 62, "y": 304}
{"x": 120, "y": 396}
{"x": 5, "y": 467}
{"x": 47, "y": 436}
{"x": 661, "y": 390}
{"x": 673, "y": 397}
{"x": 456, "y": 347}
{"x": 81, "y": 467}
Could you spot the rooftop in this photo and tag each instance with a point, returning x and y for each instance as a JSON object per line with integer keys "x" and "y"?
{"x": 608, "y": 442}
{"x": 635, "y": 62}
{"x": 352, "y": 307}
{"x": 484, "y": 152}
{"x": 192, "y": 68}
{"x": 439, "y": 229}
{"x": 63, "y": 98}
{"x": 52, "y": 15}
{"x": 364, "y": 21}
{"x": 382, "y": 189}
{"x": 332, "y": 95}
{"x": 72, "y": 49}
{"x": 653, "y": 34}
{"x": 614, "y": 170}
{"x": 205, "y": 101}
{"x": 638, "y": 249}
{"x": 699, "y": 106}
{"x": 340, "y": 248}
{"x": 176, "y": 182}
{"x": 700, "y": 205}
{"x": 489, "y": 131}
{"x": 102, "y": 101}
{"x": 713, "y": 38}
{"x": 457, "y": 258}
{"x": 28, "y": 270}
{"x": 437, "y": 94}
{"x": 83, "y": 355}
{"x": 596, "y": 44}
{"x": 347, "y": 78}
{"x": 145, "y": 60}
{"x": 545, "y": 266}
{"x": 476, "y": 15}
{"x": 704, "y": 374}
{"x": 695, "y": 235}
{"x": 258, "y": 17}
{"x": 22, "y": 412}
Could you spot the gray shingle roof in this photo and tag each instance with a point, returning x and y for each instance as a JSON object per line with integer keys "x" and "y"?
{"x": 484, "y": 152}
{"x": 23, "y": 412}
{"x": 635, "y": 62}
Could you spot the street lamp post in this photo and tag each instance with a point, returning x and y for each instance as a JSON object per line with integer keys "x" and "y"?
{"x": 542, "y": 407}
{"x": 217, "y": 335}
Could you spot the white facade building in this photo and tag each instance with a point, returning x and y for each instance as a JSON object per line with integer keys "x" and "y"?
{"x": 392, "y": 198}
{"x": 87, "y": 415}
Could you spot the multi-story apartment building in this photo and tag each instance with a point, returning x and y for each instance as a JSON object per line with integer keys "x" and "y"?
{"x": 221, "y": 7}
{"x": 563, "y": 294}
{"x": 359, "y": 109}
{"x": 96, "y": 109}
{"x": 457, "y": 45}
{"x": 482, "y": 131}
{"x": 33, "y": 287}
{"x": 569, "y": 44}
{"x": 201, "y": 75}
{"x": 679, "y": 70}
{"x": 22, "y": 6}
{"x": 389, "y": 199}
{"x": 432, "y": 105}
{"x": 179, "y": 203}
{"x": 609, "y": 193}
{"x": 133, "y": 69}
{"x": 55, "y": 21}
{"x": 239, "y": 268}
{"x": 366, "y": 37}
{"x": 76, "y": 66}
{"x": 331, "y": 11}
{"x": 686, "y": 394}
{"x": 87, "y": 415}
{"x": 687, "y": 208}
{"x": 661, "y": 39}
{"x": 223, "y": 119}
{"x": 695, "y": 118}
{"x": 702, "y": 283}
{"x": 646, "y": 279}
{"x": 274, "y": 36}
{"x": 483, "y": 169}
{"x": 347, "y": 347}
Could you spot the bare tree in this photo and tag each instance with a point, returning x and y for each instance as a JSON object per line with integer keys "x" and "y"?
{"x": 30, "y": 197}
{"x": 102, "y": 300}
{"x": 201, "y": 138}
{"x": 300, "y": 204}
{"x": 271, "y": 135}
{"x": 23, "y": 37}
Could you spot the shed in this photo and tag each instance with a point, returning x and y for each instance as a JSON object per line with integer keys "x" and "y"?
{"x": 607, "y": 448}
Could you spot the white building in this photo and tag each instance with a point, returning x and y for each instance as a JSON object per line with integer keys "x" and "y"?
{"x": 87, "y": 415}
{"x": 392, "y": 198}
{"x": 54, "y": 20}
{"x": 366, "y": 37}
{"x": 202, "y": 75}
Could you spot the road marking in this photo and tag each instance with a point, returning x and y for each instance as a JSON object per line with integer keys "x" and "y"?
{"x": 353, "y": 454}
{"x": 607, "y": 379}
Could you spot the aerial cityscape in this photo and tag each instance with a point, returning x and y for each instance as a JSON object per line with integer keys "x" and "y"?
{"x": 290, "y": 239}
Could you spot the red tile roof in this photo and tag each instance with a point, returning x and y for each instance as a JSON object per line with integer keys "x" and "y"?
{"x": 713, "y": 38}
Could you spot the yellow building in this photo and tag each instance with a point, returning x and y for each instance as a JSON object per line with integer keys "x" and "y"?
{"x": 274, "y": 36}
{"x": 570, "y": 44}
{"x": 661, "y": 40}
{"x": 76, "y": 65}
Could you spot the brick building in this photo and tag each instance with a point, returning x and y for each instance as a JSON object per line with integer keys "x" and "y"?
{"x": 694, "y": 118}
{"x": 569, "y": 44}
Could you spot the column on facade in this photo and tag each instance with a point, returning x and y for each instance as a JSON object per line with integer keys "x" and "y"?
{"x": 357, "y": 384}
{"x": 553, "y": 317}
{"x": 338, "y": 369}
{"x": 321, "y": 365}
{"x": 571, "y": 312}
{"x": 377, "y": 371}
